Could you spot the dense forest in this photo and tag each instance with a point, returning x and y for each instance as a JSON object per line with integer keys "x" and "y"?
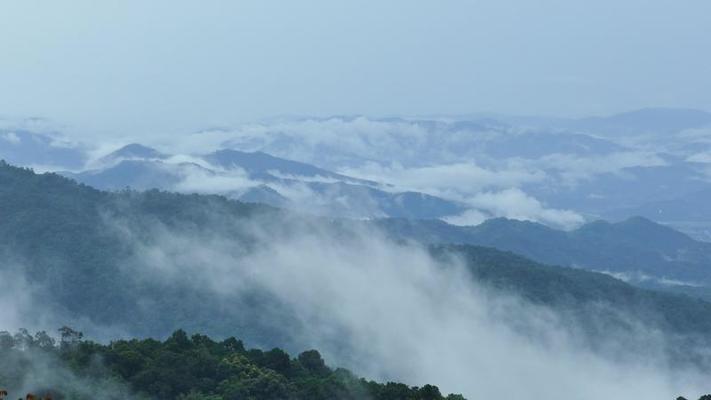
{"x": 181, "y": 367}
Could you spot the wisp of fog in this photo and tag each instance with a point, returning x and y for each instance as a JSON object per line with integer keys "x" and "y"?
{"x": 389, "y": 310}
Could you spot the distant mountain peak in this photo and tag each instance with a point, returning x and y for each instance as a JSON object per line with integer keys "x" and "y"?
{"x": 638, "y": 221}
{"x": 510, "y": 222}
{"x": 646, "y": 224}
{"x": 136, "y": 150}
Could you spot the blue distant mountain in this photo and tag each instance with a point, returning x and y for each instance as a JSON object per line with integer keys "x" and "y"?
{"x": 134, "y": 174}
{"x": 636, "y": 249}
{"x": 273, "y": 181}
{"x": 263, "y": 165}
{"x": 133, "y": 151}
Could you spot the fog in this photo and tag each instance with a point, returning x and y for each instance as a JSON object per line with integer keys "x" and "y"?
{"x": 47, "y": 375}
{"x": 559, "y": 112}
{"x": 388, "y": 310}
{"x": 391, "y": 311}
{"x": 479, "y": 167}
{"x": 15, "y": 300}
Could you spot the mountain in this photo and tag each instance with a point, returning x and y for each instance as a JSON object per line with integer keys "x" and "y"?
{"x": 135, "y": 174}
{"x": 348, "y": 200}
{"x": 350, "y": 142}
{"x": 536, "y": 144}
{"x": 690, "y": 211}
{"x": 265, "y": 195}
{"x": 262, "y": 178}
{"x": 259, "y": 164}
{"x": 578, "y": 167}
{"x": 117, "y": 259}
{"x": 626, "y": 188}
{"x": 636, "y": 249}
{"x": 133, "y": 151}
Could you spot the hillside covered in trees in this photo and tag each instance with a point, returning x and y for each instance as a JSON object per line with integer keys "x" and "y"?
{"x": 77, "y": 251}
{"x": 645, "y": 253}
{"x": 181, "y": 367}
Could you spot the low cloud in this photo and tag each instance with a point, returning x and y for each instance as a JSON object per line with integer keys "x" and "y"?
{"x": 489, "y": 193}
{"x": 200, "y": 180}
{"x": 31, "y": 370}
{"x": 704, "y": 158}
{"x": 515, "y": 204}
{"x": 467, "y": 218}
{"x": 10, "y": 137}
{"x": 572, "y": 169}
{"x": 16, "y": 300}
{"x": 449, "y": 159}
{"x": 391, "y": 311}
{"x": 465, "y": 178}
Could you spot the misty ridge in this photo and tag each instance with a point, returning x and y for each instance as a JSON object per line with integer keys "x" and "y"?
{"x": 565, "y": 174}
{"x": 390, "y": 307}
{"x": 463, "y": 170}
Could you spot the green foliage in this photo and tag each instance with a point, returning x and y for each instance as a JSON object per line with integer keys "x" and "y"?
{"x": 199, "y": 368}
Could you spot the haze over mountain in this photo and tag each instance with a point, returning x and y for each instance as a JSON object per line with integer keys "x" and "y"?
{"x": 372, "y": 200}
{"x": 137, "y": 262}
{"x": 558, "y": 172}
{"x": 145, "y": 263}
{"x": 635, "y": 250}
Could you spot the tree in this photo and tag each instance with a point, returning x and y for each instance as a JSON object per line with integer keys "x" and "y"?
{"x": 23, "y": 339}
{"x": 69, "y": 337}
{"x": 43, "y": 340}
{"x": 195, "y": 368}
{"x": 312, "y": 361}
{"x": 6, "y": 341}
{"x": 178, "y": 340}
{"x": 276, "y": 359}
{"x": 429, "y": 392}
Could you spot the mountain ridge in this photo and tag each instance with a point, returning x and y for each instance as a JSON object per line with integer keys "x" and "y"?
{"x": 57, "y": 228}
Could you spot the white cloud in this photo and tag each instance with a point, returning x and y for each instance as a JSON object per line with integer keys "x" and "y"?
{"x": 464, "y": 178}
{"x": 467, "y": 218}
{"x": 199, "y": 180}
{"x": 515, "y": 204}
{"x": 16, "y": 300}
{"x": 489, "y": 192}
{"x": 10, "y": 137}
{"x": 390, "y": 311}
{"x": 704, "y": 158}
{"x": 571, "y": 168}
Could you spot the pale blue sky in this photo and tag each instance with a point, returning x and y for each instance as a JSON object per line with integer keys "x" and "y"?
{"x": 146, "y": 66}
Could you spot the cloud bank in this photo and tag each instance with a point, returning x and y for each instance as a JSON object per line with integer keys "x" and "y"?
{"x": 391, "y": 311}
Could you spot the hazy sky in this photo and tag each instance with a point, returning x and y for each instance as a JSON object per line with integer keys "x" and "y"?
{"x": 148, "y": 66}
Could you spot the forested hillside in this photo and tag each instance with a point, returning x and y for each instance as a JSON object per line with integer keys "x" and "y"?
{"x": 181, "y": 367}
{"x": 89, "y": 258}
{"x": 642, "y": 251}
